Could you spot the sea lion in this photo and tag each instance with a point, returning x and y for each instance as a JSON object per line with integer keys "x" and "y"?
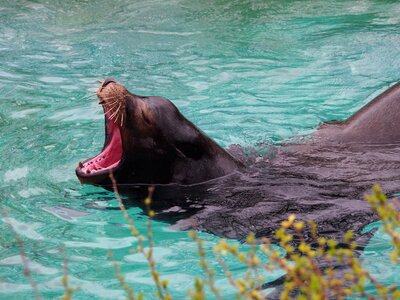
{"x": 321, "y": 178}
{"x": 148, "y": 141}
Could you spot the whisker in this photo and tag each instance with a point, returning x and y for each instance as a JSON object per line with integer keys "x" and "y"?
{"x": 116, "y": 117}
{"x": 112, "y": 98}
{"x": 108, "y": 97}
{"x": 88, "y": 97}
{"x": 116, "y": 111}
{"x": 105, "y": 98}
{"x": 112, "y": 110}
{"x": 113, "y": 104}
{"x": 122, "y": 119}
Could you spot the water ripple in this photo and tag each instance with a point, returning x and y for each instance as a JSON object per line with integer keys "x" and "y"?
{"x": 246, "y": 72}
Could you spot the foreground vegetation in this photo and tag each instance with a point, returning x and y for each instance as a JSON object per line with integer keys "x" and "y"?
{"x": 320, "y": 269}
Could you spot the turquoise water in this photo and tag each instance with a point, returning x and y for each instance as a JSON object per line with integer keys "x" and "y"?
{"x": 245, "y": 72}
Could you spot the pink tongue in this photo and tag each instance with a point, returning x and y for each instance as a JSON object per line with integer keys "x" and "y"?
{"x": 111, "y": 155}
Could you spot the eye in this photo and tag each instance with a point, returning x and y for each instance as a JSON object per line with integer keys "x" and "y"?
{"x": 189, "y": 150}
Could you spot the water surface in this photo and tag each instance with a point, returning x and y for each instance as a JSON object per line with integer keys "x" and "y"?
{"x": 245, "y": 72}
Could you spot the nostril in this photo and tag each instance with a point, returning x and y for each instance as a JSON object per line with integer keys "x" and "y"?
{"x": 107, "y": 81}
{"x": 104, "y": 83}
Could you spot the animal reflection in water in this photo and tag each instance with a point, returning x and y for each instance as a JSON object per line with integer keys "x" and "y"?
{"x": 200, "y": 185}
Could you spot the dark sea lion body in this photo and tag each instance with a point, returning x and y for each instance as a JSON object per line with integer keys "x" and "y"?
{"x": 202, "y": 186}
{"x": 323, "y": 178}
{"x": 376, "y": 123}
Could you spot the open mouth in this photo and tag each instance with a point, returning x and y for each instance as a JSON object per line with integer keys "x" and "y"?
{"x": 111, "y": 155}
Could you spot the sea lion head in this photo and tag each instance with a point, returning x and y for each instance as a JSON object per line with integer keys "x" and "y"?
{"x": 148, "y": 141}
